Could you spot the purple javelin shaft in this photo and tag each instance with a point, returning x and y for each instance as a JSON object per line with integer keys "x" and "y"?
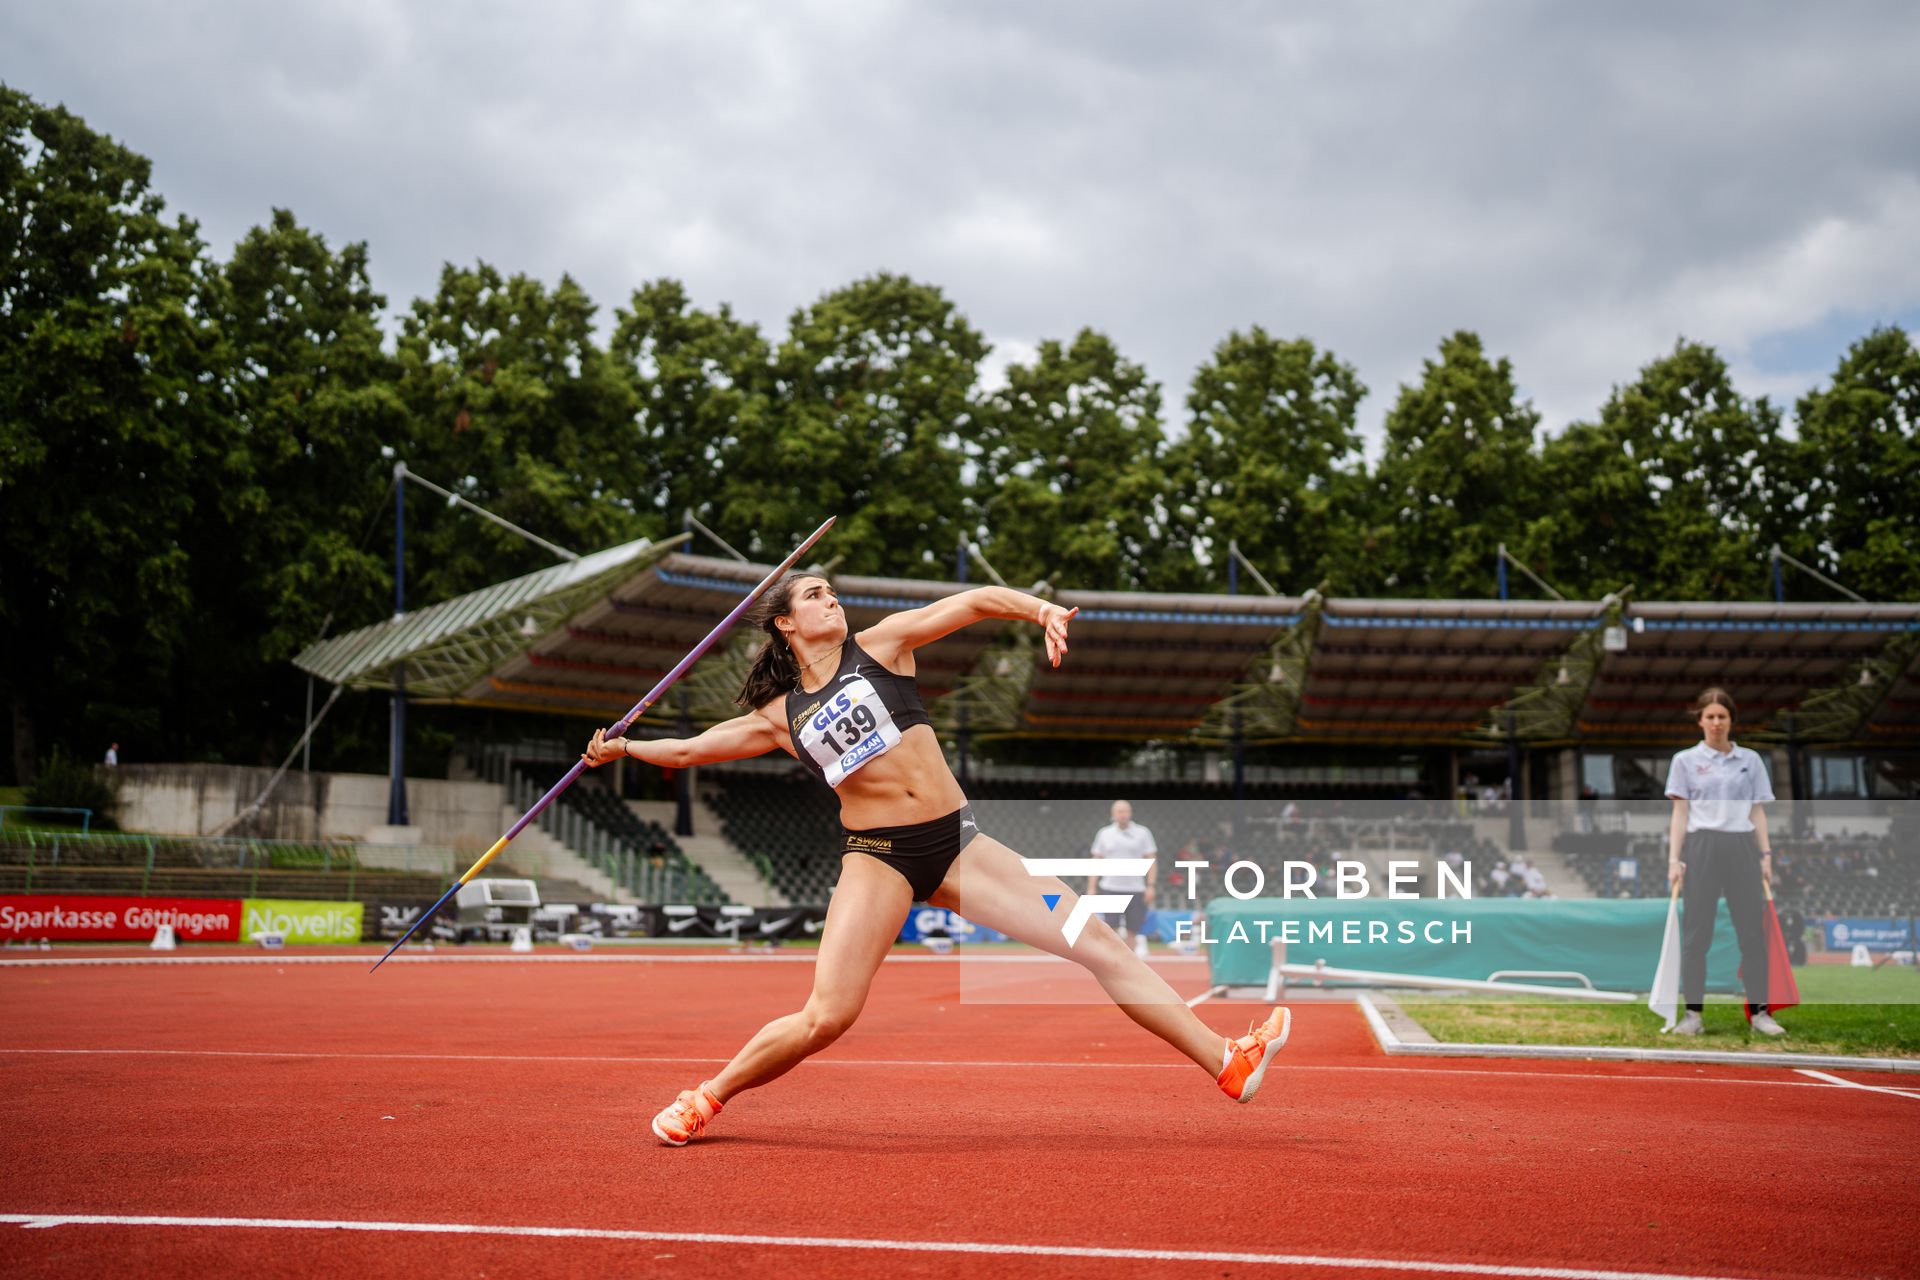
{"x": 666, "y": 681}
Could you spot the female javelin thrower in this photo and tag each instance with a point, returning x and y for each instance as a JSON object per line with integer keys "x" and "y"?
{"x": 847, "y": 708}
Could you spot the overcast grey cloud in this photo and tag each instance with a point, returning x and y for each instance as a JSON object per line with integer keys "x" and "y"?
{"x": 1581, "y": 184}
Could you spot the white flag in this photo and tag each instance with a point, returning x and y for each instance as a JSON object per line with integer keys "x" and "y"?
{"x": 1665, "y": 999}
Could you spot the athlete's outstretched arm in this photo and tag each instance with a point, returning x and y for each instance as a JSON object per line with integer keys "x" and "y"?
{"x": 736, "y": 739}
{"x": 912, "y": 628}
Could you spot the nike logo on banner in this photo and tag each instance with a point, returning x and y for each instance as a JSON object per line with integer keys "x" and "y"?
{"x": 814, "y": 926}
{"x": 775, "y": 926}
{"x": 681, "y": 926}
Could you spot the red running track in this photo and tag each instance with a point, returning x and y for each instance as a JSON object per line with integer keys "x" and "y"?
{"x": 316, "y": 1102}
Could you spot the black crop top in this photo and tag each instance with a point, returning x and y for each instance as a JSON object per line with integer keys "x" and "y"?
{"x": 857, "y": 715}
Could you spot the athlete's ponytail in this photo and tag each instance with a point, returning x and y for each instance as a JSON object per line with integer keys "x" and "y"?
{"x": 775, "y": 671}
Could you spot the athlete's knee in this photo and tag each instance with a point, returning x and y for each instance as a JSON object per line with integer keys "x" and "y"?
{"x": 826, "y": 1021}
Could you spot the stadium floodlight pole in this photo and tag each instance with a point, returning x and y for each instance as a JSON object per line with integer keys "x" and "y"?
{"x": 639, "y": 708}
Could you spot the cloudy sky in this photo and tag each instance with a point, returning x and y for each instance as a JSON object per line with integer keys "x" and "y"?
{"x": 1580, "y": 183}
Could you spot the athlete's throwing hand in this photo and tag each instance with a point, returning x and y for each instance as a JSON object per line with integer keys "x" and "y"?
{"x": 1054, "y": 619}
{"x": 603, "y": 749}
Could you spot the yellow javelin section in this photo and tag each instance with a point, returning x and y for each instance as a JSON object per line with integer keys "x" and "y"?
{"x": 485, "y": 858}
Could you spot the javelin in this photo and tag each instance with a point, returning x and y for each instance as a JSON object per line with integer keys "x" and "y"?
{"x": 639, "y": 708}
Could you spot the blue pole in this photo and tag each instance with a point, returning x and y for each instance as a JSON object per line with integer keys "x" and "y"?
{"x": 1501, "y": 560}
{"x": 397, "y": 720}
{"x": 1779, "y": 579}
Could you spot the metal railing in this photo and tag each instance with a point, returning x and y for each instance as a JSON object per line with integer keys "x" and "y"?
{"x": 86, "y": 815}
{"x": 649, "y": 877}
{"x": 43, "y": 856}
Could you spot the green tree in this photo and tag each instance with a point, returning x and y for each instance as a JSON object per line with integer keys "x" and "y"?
{"x": 312, "y": 392}
{"x": 1069, "y": 476}
{"x": 1600, "y": 531}
{"x": 1272, "y": 460}
{"x": 112, "y": 446}
{"x": 1858, "y": 462}
{"x": 515, "y": 407}
{"x": 308, "y": 390}
{"x": 1457, "y": 478}
{"x": 871, "y": 414}
{"x": 700, "y": 384}
{"x": 1675, "y": 490}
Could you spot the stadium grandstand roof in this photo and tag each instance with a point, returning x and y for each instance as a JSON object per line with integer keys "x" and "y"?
{"x": 589, "y": 638}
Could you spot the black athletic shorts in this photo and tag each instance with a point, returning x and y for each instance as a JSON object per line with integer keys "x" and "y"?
{"x": 922, "y": 852}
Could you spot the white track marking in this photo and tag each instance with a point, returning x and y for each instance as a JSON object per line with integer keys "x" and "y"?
{"x": 45, "y": 1221}
{"x": 979, "y": 1063}
{"x": 1850, "y": 1084}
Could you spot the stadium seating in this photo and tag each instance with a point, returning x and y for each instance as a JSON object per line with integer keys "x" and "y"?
{"x": 590, "y": 820}
{"x": 784, "y": 821}
{"x": 1832, "y": 876}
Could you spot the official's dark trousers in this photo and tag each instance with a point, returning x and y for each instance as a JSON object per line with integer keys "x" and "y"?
{"x": 1722, "y": 862}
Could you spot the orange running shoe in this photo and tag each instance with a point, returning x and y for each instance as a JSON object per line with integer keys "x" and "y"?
{"x": 1247, "y": 1057}
{"x": 689, "y": 1113}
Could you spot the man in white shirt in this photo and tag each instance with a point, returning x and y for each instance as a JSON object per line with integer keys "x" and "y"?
{"x": 1125, "y": 838}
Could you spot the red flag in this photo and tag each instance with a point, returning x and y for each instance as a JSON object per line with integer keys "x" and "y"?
{"x": 1782, "y": 991}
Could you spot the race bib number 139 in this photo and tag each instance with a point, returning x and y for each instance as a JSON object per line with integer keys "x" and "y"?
{"x": 851, "y": 728}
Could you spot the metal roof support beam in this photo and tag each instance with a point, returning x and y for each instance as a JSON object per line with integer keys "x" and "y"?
{"x": 1839, "y": 714}
{"x": 1506, "y": 558}
{"x": 1549, "y": 708}
{"x": 992, "y": 698}
{"x": 1777, "y": 557}
{"x": 970, "y": 550}
{"x": 1235, "y": 553}
{"x": 1265, "y": 703}
{"x": 400, "y": 472}
{"x": 693, "y": 525}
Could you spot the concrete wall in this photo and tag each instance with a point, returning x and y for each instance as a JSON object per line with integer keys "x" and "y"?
{"x": 194, "y": 799}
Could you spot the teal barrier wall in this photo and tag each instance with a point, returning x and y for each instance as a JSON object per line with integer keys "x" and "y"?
{"x": 1615, "y": 942}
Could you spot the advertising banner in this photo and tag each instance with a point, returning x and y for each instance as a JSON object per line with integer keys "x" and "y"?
{"x": 83, "y": 917}
{"x": 1843, "y": 933}
{"x": 780, "y": 924}
{"x": 930, "y": 922}
{"x": 626, "y": 920}
{"x": 388, "y": 920}
{"x": 300, "y": 921}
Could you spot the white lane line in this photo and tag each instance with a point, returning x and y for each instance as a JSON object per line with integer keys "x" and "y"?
{"x": 44, "y": 1221}
{"x": 1850, "y": 1084}
{"x": 983, "y": 1063}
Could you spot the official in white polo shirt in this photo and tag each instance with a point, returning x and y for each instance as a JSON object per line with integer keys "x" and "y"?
{"x": 1125, "y": 838}
{"x": 1718, "y": 845}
